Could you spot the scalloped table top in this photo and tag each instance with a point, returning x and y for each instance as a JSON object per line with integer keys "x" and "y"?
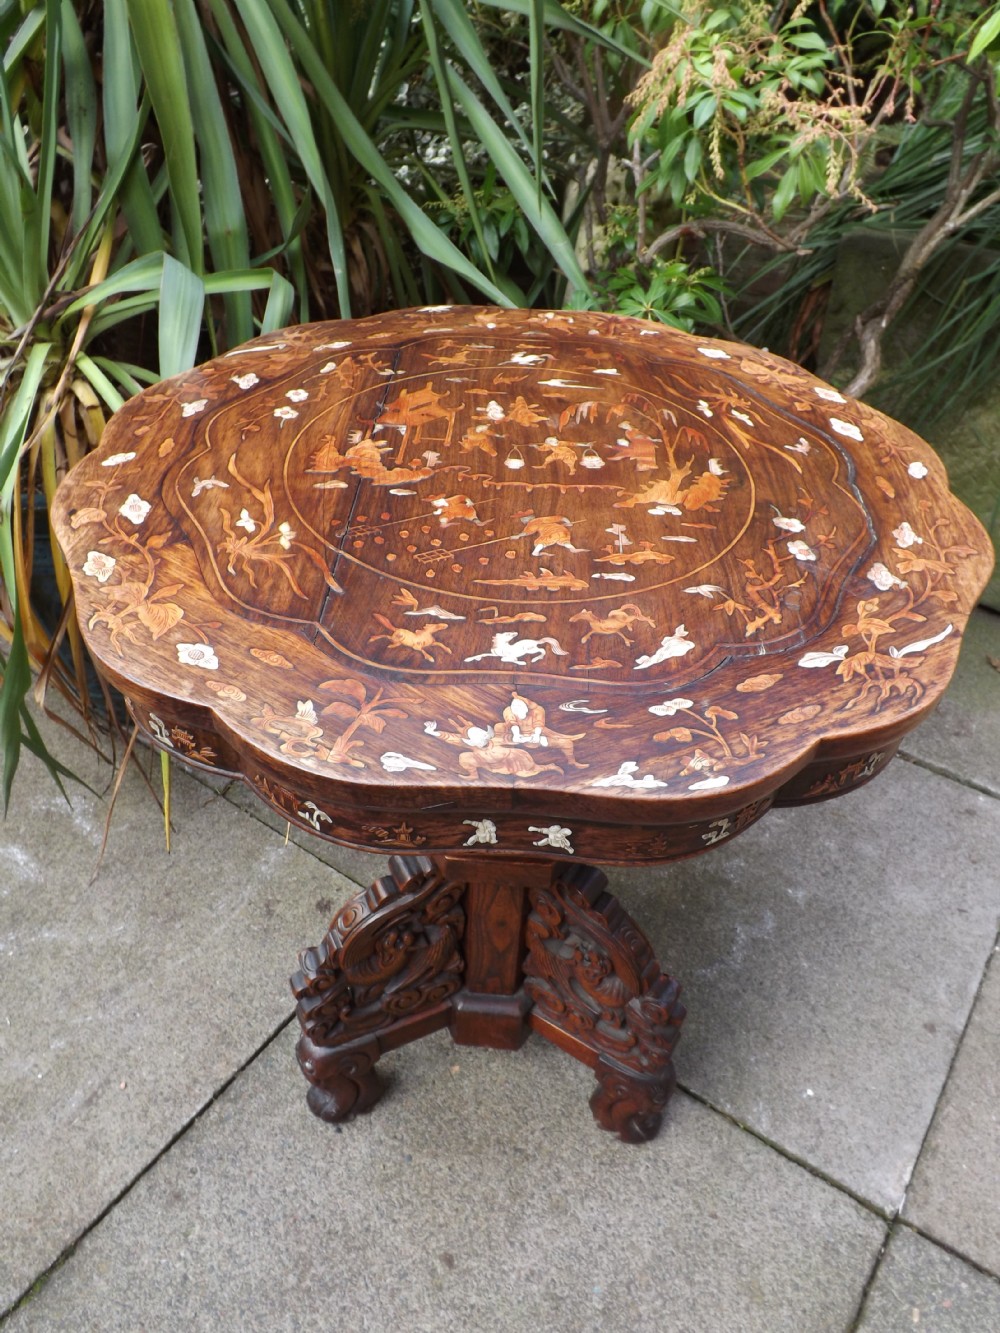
{"x": 437, "y": 578}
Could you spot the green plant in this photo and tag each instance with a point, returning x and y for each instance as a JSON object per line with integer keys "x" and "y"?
{"x": 773, "y": 127}
{"x": 177, "y": 175}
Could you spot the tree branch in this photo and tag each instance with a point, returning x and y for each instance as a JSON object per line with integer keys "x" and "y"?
{"x": 755, "y": 235}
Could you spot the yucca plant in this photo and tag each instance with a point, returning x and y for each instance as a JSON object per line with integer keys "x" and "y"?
{"x": 178, "y": 175}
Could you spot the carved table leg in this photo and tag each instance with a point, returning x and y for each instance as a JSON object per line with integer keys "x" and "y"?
{"x": 545, "y": 947}
{"x": 599, "y": 994}
{"x": 383, "y": 975}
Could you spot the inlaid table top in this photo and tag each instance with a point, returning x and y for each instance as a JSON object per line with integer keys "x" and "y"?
{"x": 514, "y": 591}
{"x": 431, "y": 578}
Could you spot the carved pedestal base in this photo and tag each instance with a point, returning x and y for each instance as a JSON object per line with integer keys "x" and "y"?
{"x": 492, "y": 950}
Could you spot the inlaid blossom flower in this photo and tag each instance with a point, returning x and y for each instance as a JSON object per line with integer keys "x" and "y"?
{"x": 246, "y": 381}
{"x": 99, "y": 566}
{"x": 306, "y": 710}
{"x": 671, "y": 707}
{"x": 198, "y": 655}
{"x": 883, "y": 577}
{"x": 297, "y": 395}
{"x": 285, "y": 413}
{"x": 135, "y": 509}
{"x": 917, "y": 470}
{"x": 715, "y": 353}
{"x": 801, "y": 550}
{"x": 192, "y": 409}
{"x": 704, "y": 408}
{"x": 905, "y": 536}
{"x": 114, "y": 459}
{"x": 245, "y": 521}
{"x": 328, "y": 368}
{"x": 285, "y": 536}
{"x": 742, "y": 416}
{"x": 831, "y": 395}
{"x": 788, "y": 524}
{"x": 846, "y": 428}
{"x": 801, "y": 446}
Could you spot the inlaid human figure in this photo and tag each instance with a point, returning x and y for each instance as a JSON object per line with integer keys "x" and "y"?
{"x": 486, "y": 435}
{"x": 637, "y": 446}
{"x": 524, "y": 724}
{"x": 559, "y": 453}
{"x": 550, "y": 530}
{"x": 364, "y": 459}
{"x": 451, "y": 508}
{"x": 483, "y": 749}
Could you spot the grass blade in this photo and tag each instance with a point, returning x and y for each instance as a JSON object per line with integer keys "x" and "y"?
{"x": 122, "y": 128}
{"x": 154, "y": 31}
{"x": 427, "y": 236}
{"x": 267, "y": 135}
{"x": 100, "y": 382}
{"x": 280, "y": 300}
{"x": 283, "y": 81}
{"x": 557, "y": 17}
{"x": 440, "y": 67}
{"x": 141, "y": 275}
{"x": 15, "y": 685}
{"x": 536, "y": 69}
{"x": 538, "y": 212}
{"x": 225, "y": 220}
{"x": 454, "y": 16}
{"x": 38, "y": 214}
{"x": 182, "y": 308}
{"x": 81, "y": 112}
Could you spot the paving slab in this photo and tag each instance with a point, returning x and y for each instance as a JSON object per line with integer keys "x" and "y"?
{"x": 962, "y": 735}
{"x": 478, "y": 1195}
{"x": 128, "y": 1001}
{"x": 955, "y": 1194}
{"x": 830, "y": 956}
{"x": 921, "y": 1287}
{"x": 358, "y": 866}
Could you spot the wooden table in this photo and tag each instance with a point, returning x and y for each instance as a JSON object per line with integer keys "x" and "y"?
{"x": 507, "y": 593}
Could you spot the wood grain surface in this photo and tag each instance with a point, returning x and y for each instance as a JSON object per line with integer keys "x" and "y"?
{"x": 538, "y": 583}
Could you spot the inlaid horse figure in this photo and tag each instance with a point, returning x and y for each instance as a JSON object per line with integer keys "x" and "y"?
{"x": 615, "y": 622}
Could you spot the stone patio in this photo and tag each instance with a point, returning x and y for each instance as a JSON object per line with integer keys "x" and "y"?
{"x": 831, "y": 1160}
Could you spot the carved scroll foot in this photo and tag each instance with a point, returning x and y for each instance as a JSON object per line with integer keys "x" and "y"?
{"x": 630, "y": 1106}
{"x": 344, "y": 1082}
{"x": 383, "y": 975}
{"x": 598, "y": 993}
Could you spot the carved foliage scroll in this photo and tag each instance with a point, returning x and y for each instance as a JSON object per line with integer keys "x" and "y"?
{"x": 391, "y": 951}
{"x": 591, "y": 971}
